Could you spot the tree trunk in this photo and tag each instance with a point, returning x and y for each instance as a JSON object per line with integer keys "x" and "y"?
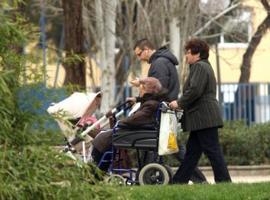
{"x": 74, "y": 64}
{"x": 175, "y": 37}
{"x": 106, "y": 26}
{"x": 108, "y": 72}
{"x": 255, "y": 41}
{"x": 188, "y": 18}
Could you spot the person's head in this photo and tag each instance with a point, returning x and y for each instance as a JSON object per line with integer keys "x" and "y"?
{"x": 144, "y": 49}
{"x": 149, "y": 85}
{"x": 196, "y": 49}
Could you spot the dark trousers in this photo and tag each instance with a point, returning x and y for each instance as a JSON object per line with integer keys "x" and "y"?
{"x": 197, "y": 176}
{"x": 203, "y": 141}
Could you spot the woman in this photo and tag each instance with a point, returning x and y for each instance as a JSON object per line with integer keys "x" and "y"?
{"x": 202, "y": 116}
{"x": 151, "y": 94}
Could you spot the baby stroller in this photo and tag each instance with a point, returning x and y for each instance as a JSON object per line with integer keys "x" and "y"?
{"x": 76, "y": 119}
{"x": 143, "y": 140}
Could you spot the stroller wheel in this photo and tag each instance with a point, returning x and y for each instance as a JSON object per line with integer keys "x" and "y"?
{"x": 154, "y": 174}
{"x": 115, "y": 179}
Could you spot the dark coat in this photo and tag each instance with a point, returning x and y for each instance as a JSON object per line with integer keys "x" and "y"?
{"x": 163, "y": 68}
{"x": 201, "y": 108}
{"x": 145, "y": 115}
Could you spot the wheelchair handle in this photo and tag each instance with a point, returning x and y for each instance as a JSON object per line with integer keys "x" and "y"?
{"x": 165, "y": 108}
{"x": 165, "y": 104}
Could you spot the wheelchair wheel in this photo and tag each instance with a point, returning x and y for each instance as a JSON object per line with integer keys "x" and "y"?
{"x": 170, "y": 171}
{"x": 115, "y": 179}
{"x": 154, "y": 174}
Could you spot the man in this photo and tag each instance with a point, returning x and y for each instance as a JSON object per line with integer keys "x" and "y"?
{"x": 202, "y": 116}
{"x": 163, "y": 67}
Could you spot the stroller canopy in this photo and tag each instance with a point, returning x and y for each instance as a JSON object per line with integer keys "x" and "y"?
{"x": 76, "y": 105}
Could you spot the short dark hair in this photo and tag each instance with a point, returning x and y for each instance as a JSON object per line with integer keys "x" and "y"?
{"x": 142, "y": 43}
{"x": 196, "y": 45}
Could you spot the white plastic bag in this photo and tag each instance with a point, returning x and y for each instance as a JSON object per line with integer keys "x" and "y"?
{"x": 168, "y": 134}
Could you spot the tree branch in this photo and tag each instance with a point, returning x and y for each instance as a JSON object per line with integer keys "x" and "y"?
{"x": 215, "y": 18}
{"x": 145, "y": 14}
{"x": 253, "y": 44}
{"x": 266, "y": 5}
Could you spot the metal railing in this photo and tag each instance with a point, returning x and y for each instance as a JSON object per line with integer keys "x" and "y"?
{"x": 248, "y": 102}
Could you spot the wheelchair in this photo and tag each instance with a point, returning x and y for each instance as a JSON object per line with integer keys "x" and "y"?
{"x": 144, "y": 140}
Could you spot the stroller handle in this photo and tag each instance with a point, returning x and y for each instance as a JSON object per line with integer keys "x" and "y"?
{"x": 126, "y": 105}
{"x": 102, "y": 119}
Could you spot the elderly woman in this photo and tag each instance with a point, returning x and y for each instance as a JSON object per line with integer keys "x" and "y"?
{"x": 151, "y": 94}
{"x": 202, "y": 116}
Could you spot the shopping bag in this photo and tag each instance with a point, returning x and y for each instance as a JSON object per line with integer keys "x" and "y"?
{"x": 168, "y": 133}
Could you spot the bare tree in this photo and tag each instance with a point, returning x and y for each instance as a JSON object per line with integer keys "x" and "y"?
{"x": 163, "y": 22}
{"x": 253, "y": 44}
{"x": 106, "y": 26}
{"x": 189, "y": 17}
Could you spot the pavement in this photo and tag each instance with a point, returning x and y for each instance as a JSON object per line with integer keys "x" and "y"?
{"x": 242, "y": 174}
{"x": 243, "y": 179}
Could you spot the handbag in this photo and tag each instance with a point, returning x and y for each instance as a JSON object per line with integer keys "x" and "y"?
{"x": 168, "y": 133}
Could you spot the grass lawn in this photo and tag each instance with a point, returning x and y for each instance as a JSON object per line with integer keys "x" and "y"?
{"x": 254, "y": 191}
{"x": 39, "y": 172}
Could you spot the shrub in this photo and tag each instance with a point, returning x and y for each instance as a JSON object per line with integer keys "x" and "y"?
{"x": 40, "y": 172}
{"x": 241, "y": 144}
{"x": 28, "y": 168}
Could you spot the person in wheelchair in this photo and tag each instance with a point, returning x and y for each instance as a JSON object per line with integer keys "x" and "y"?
{"x": 151, "y": 94}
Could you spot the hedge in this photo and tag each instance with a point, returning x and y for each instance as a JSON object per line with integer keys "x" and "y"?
{"x": 241, "y": 144}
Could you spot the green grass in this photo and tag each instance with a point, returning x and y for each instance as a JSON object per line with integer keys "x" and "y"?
{"x": 40, "y": 172}
{"x": 255, "y": 191}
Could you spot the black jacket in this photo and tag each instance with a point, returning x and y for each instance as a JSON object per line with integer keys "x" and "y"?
{"x": 201, "y": 108}
{"x": 163, "y": 68}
